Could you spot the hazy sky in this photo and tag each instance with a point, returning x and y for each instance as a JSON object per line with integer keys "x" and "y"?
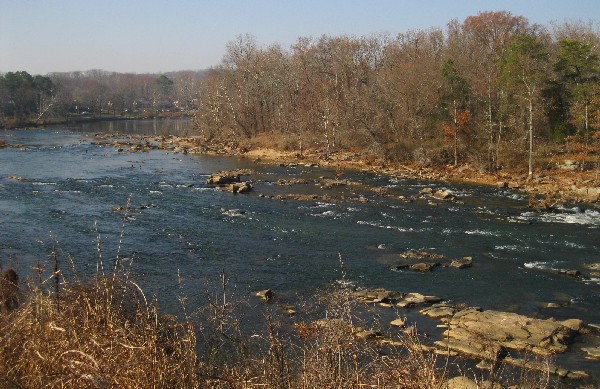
{"x": 41, "y": 36}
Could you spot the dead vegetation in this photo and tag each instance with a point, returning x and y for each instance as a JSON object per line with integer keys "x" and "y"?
{"x": 105, "y": 332}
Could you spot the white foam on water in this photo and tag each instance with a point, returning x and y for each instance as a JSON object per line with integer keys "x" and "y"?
{"x": 326, "y": 214}
{"x": 510, "y": 247}
{"x": 43, "y": 183}
{"x": 380, "y": 225}
{"x": 574, "y": 245}
{"x": 482, "y": 233}
{"x": 589, "y": 217}
{"x": 323, "y": 205}
{"x": 537, "y": 265}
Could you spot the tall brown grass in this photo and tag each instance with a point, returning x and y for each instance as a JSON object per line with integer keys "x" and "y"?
{"x": 105, "y": 332}
{"x": 101, "y": 334}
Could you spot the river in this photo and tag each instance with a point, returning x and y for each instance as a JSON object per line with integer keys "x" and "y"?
{"x": 180, "y": 227}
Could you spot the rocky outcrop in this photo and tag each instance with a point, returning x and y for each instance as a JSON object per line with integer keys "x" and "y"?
{"x": 223, "y": 179}
{"x": 411, "y": 300}
{"x": 231, "y": 181}
{"x": 429, "y": 261}
{"x": 545, "y": 367}
{"x": 303, "y": 197}
{"x": 488, "y": 334}
{"x": 389, "y": 298}
{"x": 443, "y": 195}
{"x": 240, "y": 187}
{"x": 378, "y": 295}
{"x": 462, "y": 263}
{"x": 422, "y": 267}
{"x": 442, "y": 312}
{"x": 592, "y": 352}
{"x": 420, "y": 254}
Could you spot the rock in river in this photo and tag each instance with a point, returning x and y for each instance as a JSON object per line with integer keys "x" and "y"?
{"x": 486, "y": 334}
{"x": 223, "y": 179}
{"x": 422, "y": 267}
{"x": 266, "y": 294}
{"x": 462, "y": 263}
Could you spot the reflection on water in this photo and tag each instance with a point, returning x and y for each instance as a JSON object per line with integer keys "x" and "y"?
{"x": 177, "y": 126}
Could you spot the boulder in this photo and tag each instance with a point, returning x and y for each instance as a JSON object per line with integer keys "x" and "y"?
{"x": 593, "y": 266}
{"x": 422, "y": 267}
{"x": 550, "y": 305}
{"x": 570, "y": 272}
{"x": 462, "y": 263}
{"x": 574, "y": 324}
{"x": 502, "y": 184}
{"x": 265, "y": 295}
{"x": 240, "y": 187}
{"x": 420, "y": 254}
{"x": 329, "y": 183}
{"x": 289, "y": 310}
{"x": 415, "y": 299}
{"x": 378, "y": 295}
{"x": 443, "y": 195}
{"x": 398, "y": 322}
{"x": 426, "y": 191}
{"x": 223, "y": 179}
{"x": 233, "y": 212}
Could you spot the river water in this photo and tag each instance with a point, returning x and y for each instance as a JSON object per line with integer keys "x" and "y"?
{"x": 178, "y": 226}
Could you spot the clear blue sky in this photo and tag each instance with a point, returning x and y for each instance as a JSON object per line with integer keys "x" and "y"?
{"x": 41, "y": 36}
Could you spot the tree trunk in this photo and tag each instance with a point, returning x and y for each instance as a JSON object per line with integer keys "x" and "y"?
{"x": 530, "y": 177}
{"x": 455, "y": 135}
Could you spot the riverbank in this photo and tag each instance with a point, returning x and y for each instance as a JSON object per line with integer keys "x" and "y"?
{"x": 550, "y": 187}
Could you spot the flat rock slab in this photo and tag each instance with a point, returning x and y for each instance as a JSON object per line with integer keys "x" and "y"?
{"x": 467, "y": 383}
{"x": 439, "y": 311}
{"x": 416, "y": 299}
{"x": 484, "y": 329}
{"x": 378, "y": 295}
{"x": 592, "y": 352}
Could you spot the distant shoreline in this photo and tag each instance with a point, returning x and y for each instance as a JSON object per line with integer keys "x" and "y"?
{"x": 92, "y": 119}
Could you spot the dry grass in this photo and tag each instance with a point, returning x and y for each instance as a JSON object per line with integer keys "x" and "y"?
{"x": 102, "y": 335}
{"x": 106, "y": 333}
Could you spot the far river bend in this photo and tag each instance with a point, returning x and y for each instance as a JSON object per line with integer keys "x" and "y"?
{"x": 179, "y": 225}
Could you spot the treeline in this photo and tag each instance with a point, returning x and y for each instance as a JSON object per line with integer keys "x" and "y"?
{"x": 489, "y": 91}
{"x": 26, "y": 99}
